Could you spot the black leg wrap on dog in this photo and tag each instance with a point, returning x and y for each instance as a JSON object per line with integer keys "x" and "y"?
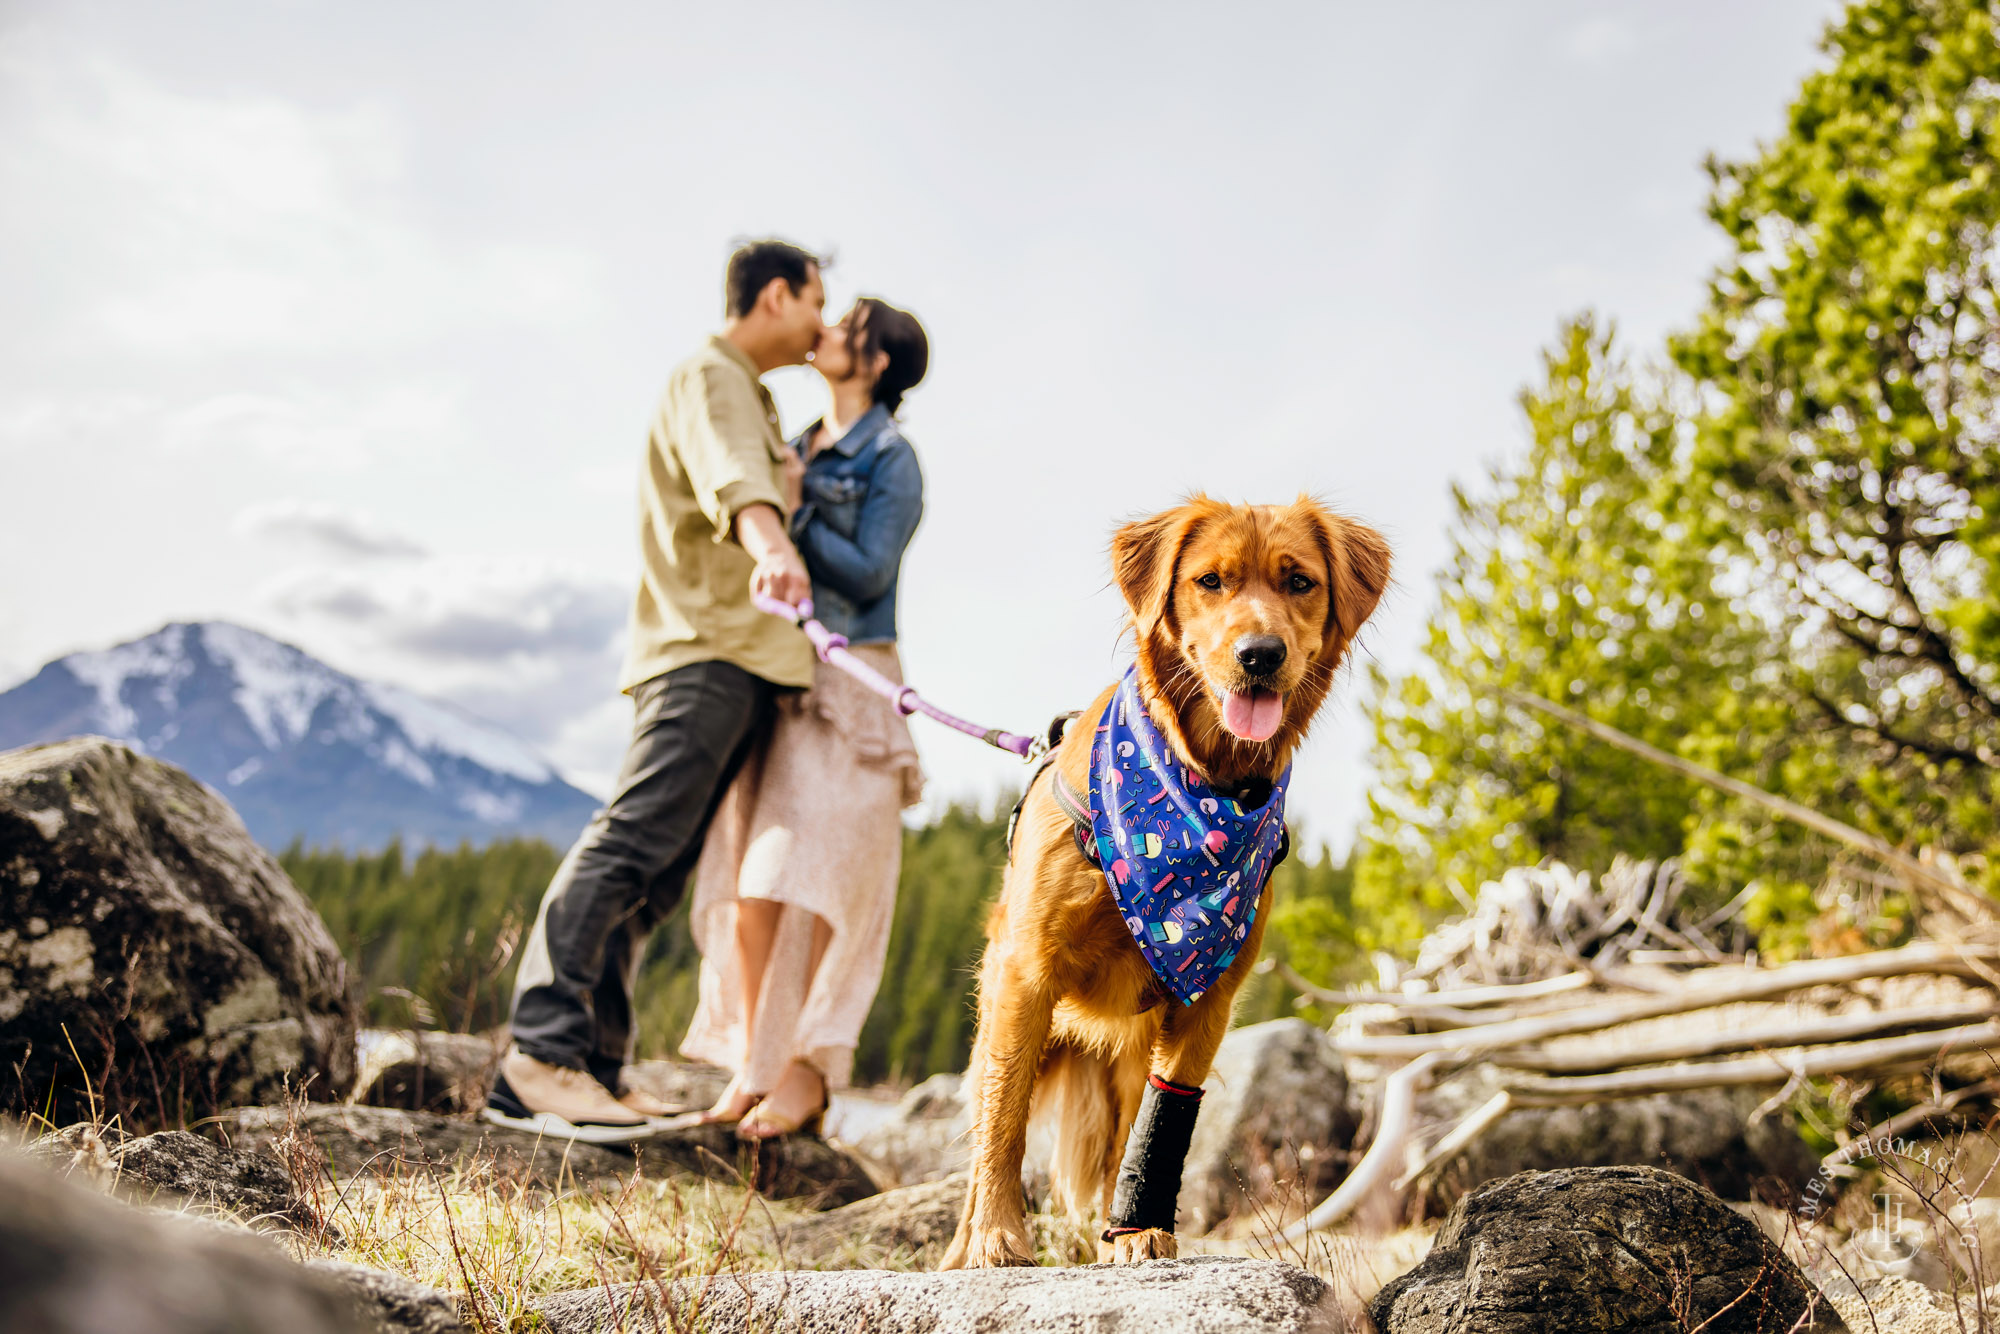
{"x": 1149, "y": 1179}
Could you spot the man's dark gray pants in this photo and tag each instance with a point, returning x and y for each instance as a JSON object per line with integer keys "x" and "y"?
{"x": 625, "y": 875}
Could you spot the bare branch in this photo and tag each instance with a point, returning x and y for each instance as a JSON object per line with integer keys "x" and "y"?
{"x": 1722, "y": 986}
{"x": 1790, "y": 1032}
{"x": 1771, "y": 1067}
{"x": 1916, "y": 873}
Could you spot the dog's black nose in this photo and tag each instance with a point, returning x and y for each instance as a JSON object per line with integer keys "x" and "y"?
{"x": 1260, "y": 654}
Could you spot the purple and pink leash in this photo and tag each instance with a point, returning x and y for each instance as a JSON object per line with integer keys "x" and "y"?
{"x": 832, "y": 649}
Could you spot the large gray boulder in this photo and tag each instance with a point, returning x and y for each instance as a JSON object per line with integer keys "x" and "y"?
{"x": 1710, "y": 1136}
{"x": 75, "y": 1262}
{"x": 926, "y": 1138}
{"x": 1275, "y": 1118}
{"x": 151, "y": 954}
{"x": 1204, "y": 1295}
{"x": 1593, "y": 1250}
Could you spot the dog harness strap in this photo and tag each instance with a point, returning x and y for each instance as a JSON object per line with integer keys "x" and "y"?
{"x": 1149, "y": 1178}
{"x": 1078, "y": 812}
{"x": 1064, "y": 797}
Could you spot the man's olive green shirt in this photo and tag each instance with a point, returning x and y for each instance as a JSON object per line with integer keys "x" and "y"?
{"x": 714, "y": 450}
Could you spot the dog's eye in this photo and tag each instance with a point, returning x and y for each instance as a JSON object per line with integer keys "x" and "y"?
{"x": 1302, "y": 584}
{"x": 1211, "y": 581}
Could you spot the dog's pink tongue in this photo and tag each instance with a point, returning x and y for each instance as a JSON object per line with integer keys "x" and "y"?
{"x": 1253, "y": 714}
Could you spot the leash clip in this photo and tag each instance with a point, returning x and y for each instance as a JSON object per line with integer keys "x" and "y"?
{"x": 1051, "y": 738}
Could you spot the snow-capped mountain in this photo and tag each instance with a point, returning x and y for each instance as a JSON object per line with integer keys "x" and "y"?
{"x": 301, "y": 750}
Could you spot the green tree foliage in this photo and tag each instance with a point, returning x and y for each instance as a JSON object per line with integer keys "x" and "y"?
{"x": 431, "y": 940}
{"x": 951, "y": 876}
{"x": 1781, "y": 566}
{"x": 1848, "y": 357}
{"x": 1312, "y": 928}
{"x": 1573, "y": 576}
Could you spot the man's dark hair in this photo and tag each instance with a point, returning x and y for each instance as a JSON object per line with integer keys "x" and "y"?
{"x": 756, "y": 263}
{"x": 883, "y": 328}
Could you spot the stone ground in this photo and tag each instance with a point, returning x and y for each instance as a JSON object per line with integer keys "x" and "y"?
{"x": 1205, "y": 1295}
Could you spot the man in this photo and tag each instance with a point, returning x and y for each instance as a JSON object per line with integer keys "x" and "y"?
{"x": 703, "y": 669}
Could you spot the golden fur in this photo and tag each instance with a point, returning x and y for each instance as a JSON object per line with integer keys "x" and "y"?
{"x": 1061, "y": 1032}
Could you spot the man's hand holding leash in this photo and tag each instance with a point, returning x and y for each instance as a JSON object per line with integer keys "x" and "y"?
{"x": 780, "y": 573}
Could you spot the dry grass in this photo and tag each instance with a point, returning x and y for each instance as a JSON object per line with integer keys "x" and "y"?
{"x": 498, "y": 1244}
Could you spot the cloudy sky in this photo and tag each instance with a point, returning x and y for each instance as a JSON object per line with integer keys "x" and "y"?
{"x": 344, "y": 321}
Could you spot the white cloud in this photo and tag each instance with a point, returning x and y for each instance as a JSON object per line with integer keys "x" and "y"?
{"x": 41, "y": 420}
{"x": 325, "y": 528}
{"x": 306, "y": 426}
{"x": 239, "y": 224}
{"x": 1600, "y": 39}
{"x": 532, "y": 645}
{"x": 314, "y": 427}
{"x": 457, "y": 609}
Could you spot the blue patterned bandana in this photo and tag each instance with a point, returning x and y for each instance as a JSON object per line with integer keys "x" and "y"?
{"x": 1185, "y": 865}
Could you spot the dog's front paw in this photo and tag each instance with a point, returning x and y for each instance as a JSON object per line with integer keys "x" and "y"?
{"x": 1130, "y": 1248}
{"x": 994, "y": 1248}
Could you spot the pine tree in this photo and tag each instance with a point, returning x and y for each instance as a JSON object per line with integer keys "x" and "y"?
{"x": 1849, "y": 355}
{"x": 1573, "y": 576}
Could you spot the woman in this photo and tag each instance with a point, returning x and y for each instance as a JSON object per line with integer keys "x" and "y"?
{"x": 797, "y": 883}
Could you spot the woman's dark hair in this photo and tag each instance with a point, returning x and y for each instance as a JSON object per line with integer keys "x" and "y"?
{"x": 883, "y": 328}
{"x": 756, "y": 263}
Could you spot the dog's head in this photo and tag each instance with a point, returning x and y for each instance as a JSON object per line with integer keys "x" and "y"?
{"x": 1242, "y": 613}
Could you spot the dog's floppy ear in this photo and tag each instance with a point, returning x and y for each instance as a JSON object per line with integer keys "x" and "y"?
{"x": 1357, "y": 569}
{"x": 1145, "y": 553}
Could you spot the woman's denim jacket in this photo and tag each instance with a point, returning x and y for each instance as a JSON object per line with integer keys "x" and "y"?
{"x": 863, "y": 495}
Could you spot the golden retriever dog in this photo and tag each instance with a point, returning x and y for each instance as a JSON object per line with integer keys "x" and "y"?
{"x": 1241, "y": 615}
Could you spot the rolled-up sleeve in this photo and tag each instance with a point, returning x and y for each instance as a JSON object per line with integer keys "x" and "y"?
{"x": 722, "y": 444}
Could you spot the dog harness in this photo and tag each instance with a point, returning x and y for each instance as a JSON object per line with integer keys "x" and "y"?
{"x": 1185, "y": 864}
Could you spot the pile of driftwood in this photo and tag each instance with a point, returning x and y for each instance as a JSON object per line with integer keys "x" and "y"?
{"x": 1582, "y": 989}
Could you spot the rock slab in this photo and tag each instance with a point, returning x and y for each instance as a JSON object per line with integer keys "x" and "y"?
{"x": 1202, "y": 1295}
{"x": 141, "y": 924}
{"x": 392, "y": 1142}
{"x": 251, "y": 1185}
{"x": 425, "y": 1071}
{"x": 913, "y": 1222}
{"x": 395, "y": 1304}
{"x": 1597, "y": 1249}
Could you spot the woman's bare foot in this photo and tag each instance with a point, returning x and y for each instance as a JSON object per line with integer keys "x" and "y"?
{"x": 798, "y": 1103}
{"x": 734, "y": 1104}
